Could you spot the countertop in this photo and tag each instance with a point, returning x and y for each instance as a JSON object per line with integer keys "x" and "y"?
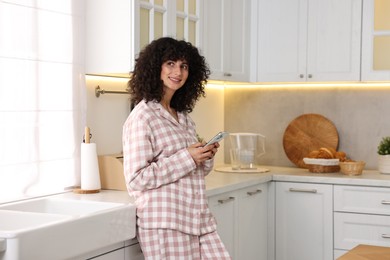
{"x": 219, "y": 182}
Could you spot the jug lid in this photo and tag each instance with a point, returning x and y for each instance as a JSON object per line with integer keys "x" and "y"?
{"x": 247, "y": 134}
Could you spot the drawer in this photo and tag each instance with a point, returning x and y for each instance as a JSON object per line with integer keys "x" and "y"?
{"x": 358, "y": 199}
{"x": 352, "y": 229}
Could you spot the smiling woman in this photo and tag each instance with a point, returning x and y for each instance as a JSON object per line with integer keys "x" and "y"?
{"x": 41, "y": 96}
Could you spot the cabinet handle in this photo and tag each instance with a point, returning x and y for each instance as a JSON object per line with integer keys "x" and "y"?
{"x": 385, "y": 236}
{"x": 309, "y": 76}
{"x": 222, "y": 201}
{"x": 227, "y": 74}
{"x": 386, "y": 202}
{"x": 303, "y": 190}
{"x": 301, "y": 76}
{"x": 250, "y": 193}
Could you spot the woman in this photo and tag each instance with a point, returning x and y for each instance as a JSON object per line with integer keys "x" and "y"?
{"x": 164, "y": 163}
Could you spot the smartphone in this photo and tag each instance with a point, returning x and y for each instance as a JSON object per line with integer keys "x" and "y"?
{"x": 218, "y": 137}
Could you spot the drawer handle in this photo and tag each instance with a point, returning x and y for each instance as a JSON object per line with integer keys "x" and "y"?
{"x": 222, "y": 201}
{"x": 303, "y": 190}
{"x": 386, "y": 202}
{"x": 250, "y": 193}
{"x": 227, "y": 74}
{"x": 385, "y": 236}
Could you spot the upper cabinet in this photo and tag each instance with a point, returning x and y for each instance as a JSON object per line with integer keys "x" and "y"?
{"x": 309, "y": 40}
{"x": 248, "y": 40}
{"x": 228, "y": 39}
{"x": 376, "y": 40}
{"x": 117, "y": 30}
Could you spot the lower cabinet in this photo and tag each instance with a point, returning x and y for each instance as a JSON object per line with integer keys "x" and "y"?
{"x": 118, "y": 254}
{"x": 130, "y": 250}
{"x": 362, "y": 216}
{"x": 303, "y": 221}
{"x": 133, "y": 252}
{"x": 242, "y": 221}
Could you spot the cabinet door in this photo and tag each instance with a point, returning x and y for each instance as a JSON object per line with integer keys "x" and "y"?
{"x": 282, "y": 41}
{"x": 113, "y": 255}
{"x": 110, "y": 37}
{"x": 133, "y": 252}
{"x": 309, "y": 40}
{"x": 376, "y": 40}
{"x": 252, "y": 227}
{"x": 334, "y": 40}
{"x": 227, "y": 39}
{"x": 304, "y": 221}
{"x": 223, "y": 208}
{"x": 351, "y": 230}
{"x": 188, "y": 21}
{"x": 365, "y": 200}
{"x": 117, "y": 30}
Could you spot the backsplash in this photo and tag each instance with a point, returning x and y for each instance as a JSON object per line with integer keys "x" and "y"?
{"x": 360, "y": 114}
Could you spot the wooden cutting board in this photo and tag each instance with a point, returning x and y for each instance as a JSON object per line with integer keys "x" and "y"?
{"x": 367, "y": 252}
{"x": 306, "y": 133}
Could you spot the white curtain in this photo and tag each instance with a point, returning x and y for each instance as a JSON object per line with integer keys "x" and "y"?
{"x": 42, "y": 96}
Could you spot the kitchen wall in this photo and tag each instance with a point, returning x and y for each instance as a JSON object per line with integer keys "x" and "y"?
{"x": 107, "y": 113}
{"x": 360, "y": 114}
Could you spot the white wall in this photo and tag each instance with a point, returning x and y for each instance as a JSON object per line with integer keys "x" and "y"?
{"x": 106, "y": 114}
{"x": 359, "y": 113}
{"x": 209, "y": 117}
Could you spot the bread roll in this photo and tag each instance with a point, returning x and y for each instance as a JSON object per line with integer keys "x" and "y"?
{"x": 313, "y": 154}
{"x": 342, "y": 156}
{"x": 325, "y": 153}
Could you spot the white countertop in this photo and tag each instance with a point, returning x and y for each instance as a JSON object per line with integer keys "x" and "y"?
{"x": 219, "y": 182}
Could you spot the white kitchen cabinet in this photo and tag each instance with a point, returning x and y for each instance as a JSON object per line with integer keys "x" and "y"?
{"x": 362, "y": 216}
{"x": 352, "y": 229}
{"x": 242, "y": 221}
{"x": 127, "y": 250}
{"x": 304, "y": 221}
{"x": 309, "y": 40}
{"x": 133, "y": 252}
{"x": 228, "y": 39}
{"x": 117, "y": 30}
{"x": 118, "y": 254}
{"x": 223, "y": 207}
{"x": 253, "y": 224}
{"x": 376, "y": 40}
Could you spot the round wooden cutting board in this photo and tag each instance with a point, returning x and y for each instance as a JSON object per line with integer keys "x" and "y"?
{"x": 306, "y": 133}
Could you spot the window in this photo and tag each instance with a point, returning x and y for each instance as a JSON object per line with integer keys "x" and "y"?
{"x": 42, "y": 93}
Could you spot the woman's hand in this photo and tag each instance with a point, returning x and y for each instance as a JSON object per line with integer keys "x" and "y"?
{"x": 200, "y": 153}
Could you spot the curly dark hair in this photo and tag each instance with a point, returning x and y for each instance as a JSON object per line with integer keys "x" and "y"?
{"x": 146, "y": 83}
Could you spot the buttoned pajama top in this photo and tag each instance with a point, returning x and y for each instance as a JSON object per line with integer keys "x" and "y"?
{"x": 160, "y": 173}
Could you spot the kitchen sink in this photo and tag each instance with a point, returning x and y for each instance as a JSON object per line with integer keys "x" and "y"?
{"x": 61, "y": 206}
{"x": 11, "y": 221}
{"x": 63, "y": 227}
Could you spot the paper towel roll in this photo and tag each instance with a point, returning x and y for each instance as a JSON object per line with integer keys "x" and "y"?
{"x": 90, "y": 178}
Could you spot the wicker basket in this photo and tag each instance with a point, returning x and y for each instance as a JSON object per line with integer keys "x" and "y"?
{"x": 315, "y": 168}
{"x": 352, "y": 168}
{"x": 322, "y": 165}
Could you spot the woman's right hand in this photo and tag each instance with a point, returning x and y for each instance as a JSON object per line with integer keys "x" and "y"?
{"x": 201, "y": 153}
